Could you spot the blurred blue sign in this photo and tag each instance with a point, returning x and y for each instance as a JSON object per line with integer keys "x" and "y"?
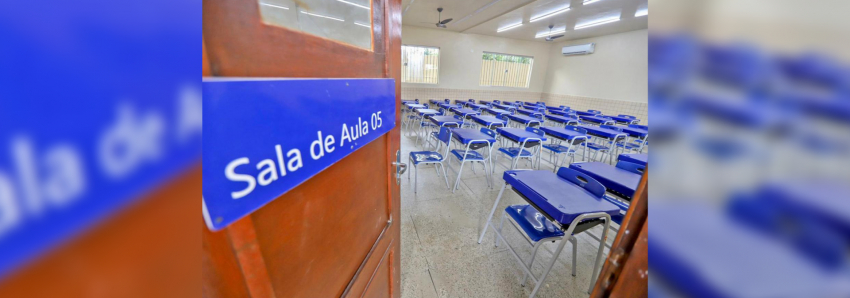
{"x": 265, "y": 137}
{"x": 100, "y": 103}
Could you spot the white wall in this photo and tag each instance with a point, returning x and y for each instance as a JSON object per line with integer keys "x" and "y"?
{"x": 460, "y": 57}
{"x": 616, "y": 70}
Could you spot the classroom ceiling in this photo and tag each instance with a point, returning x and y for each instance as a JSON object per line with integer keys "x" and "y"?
{"x": 487, "y": 16}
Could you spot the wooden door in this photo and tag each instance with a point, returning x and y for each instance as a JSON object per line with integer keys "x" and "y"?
{"x": 336, "y": 234}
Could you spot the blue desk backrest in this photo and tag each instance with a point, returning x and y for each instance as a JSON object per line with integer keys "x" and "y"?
{"x": 626, "y": 116}
{"x": 471, "y": 100}
{"x": 534, "y": 130}
{"x": 611, "y": 127}
{"x": 416, "y": 100}
{"x": 497, "y": 101}
{"x": 564, "y": 108}
{"x": 582, "y": 180}
{"x": 488, "y": 132}
{"x": 445, "y": 135}
{"x": 631, "y": 167}
{"x": 644, "y": 127}
{"x": 447, "y": 101}
{"x": 442, "y": 112}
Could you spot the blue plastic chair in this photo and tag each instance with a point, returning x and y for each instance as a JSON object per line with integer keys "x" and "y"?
{"x": 538, "y": 229}
{"x": 516, "y": 153}
{"x": 604, "y": 148}
{"x": 469, "y": 154}
{"x": 557, "y": 148}
{"x": 431, "y": 157}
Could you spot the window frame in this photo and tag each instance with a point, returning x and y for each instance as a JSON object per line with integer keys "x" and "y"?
{"x": 439, "y": 62}
{"x": 527, "y": 80}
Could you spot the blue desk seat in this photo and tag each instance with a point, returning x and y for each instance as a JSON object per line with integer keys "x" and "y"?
{"x": 431, "y": 157}
{"x": 558, "y": 148}
{"x": 560, "y": 206}
{"x": 527, "y": 138}
{"x": 572, "y": 136}
{"x": 533, "y": 223}
{"x": 425, "y": 156}
{"x": 513, "y": 152}
{"x": 468, "y": 156}
{"x": 474, "y": 140}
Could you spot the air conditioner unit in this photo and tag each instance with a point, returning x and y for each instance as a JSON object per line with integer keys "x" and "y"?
{"x": 580, "y": 49}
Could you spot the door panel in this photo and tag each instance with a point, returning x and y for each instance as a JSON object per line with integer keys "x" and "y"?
{"x": 326, "y": 226}
{"x": 379, "y": 286}
{"x": 336, "y": 234}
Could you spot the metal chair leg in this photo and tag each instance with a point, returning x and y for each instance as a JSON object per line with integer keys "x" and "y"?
{"x": 495, "y": 205}
{"x": 501, "y": 224}
{"x": 575, "y": 253}
{"x": 445, "y": 176}
{"x": 458, "y": 176}
{"x": 548, "y": 268}
{"x": 531, "y": 262}
{"x": 594, "y": 273}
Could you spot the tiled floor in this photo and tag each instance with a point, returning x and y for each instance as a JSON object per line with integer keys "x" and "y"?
{"x": 439, "y": 232}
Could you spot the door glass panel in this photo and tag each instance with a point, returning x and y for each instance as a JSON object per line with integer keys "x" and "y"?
{"x": 346, "y": 21}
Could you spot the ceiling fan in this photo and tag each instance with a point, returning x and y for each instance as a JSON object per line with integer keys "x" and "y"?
{"x": 551, "y": 38}
{"x": 442, "y": 24}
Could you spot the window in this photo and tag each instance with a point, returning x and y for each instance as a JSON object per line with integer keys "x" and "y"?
{"x": 420, "y": 64}
{"x": 505, "y": 70}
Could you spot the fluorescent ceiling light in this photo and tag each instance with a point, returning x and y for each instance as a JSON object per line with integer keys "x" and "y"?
{"x": 545, "y": 34}
{"x": 360, "y": 24}
{"x": 355, "y": 4}
{"x": 509, "y": 27}
{"x": 275, "y": 6}
{"x": 642, "y": 12}
{"x": 597, "y": 22}
{"x": 549, "y": 14}
{"x": 586, "y": 2}
{"x": 322, "y": 16}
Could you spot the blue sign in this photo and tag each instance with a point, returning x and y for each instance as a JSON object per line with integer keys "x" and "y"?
{"x": 265, "y": 137}
{"x": 92, "y": 118}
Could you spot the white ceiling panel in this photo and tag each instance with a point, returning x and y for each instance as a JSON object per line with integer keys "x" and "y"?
{"x": 487, "y": 16}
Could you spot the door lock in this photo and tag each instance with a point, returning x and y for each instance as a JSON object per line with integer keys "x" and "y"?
{"x": 400, "y": 167}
